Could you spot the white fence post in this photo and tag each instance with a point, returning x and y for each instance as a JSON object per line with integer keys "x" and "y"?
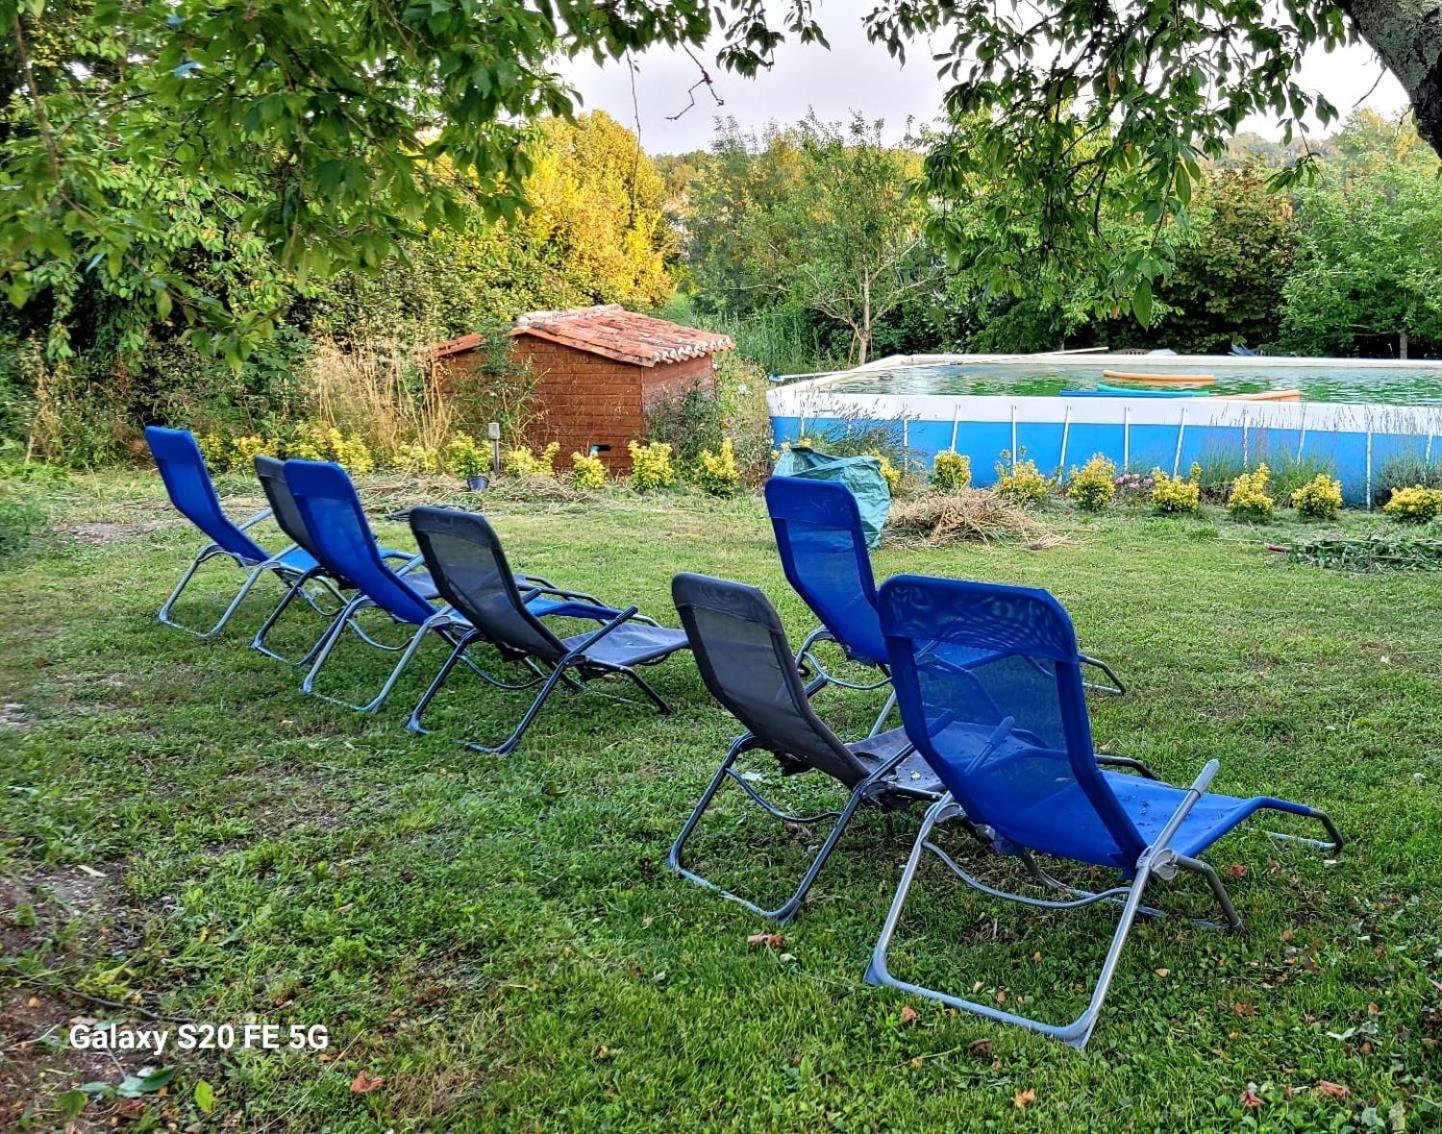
{"x": 1369, "y": 464}
{"x": 1065, "y": 437}
{"x": 1126, "y": 437}
{"x": 1181, "y": 431}
{"x": 955, "y": 424}
{"x": 1014, "y": 454}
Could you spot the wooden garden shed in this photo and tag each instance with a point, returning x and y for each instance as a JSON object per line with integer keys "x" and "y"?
{"x": 598, "y": 370}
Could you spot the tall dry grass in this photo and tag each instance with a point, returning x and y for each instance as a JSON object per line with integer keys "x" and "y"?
{"x": 380, "y": 391}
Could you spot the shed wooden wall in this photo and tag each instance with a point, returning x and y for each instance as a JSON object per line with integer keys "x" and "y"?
{"x": 584, "y": 399}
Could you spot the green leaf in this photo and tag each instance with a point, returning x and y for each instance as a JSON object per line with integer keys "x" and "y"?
{"x": 204, "y": 1096}
{"x": 134, "y": 1086}
{"x": 1142, "y": 302}
{"x": 71, "y": 1103}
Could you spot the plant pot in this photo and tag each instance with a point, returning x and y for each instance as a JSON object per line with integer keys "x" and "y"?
{"x": 478, "y": 483}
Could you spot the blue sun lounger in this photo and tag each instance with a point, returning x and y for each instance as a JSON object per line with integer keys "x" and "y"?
{"x": 192, "y": 492}
{"x": 823, "y": 552}
{"x": 1011, "y": 742}
{"x": 346, "y": 547}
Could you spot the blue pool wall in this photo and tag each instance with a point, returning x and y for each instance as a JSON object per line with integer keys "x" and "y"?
{"x": 1139, "y": 434}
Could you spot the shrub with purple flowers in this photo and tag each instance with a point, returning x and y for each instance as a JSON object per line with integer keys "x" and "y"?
{"x": 1135, "y": 488}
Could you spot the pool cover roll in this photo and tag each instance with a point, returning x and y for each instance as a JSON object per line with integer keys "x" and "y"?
{"x": 860, "y": 474}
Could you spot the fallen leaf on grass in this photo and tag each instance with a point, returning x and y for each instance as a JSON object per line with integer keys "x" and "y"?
{"x": 1333, "y": 1090}
{"x": 765, "y": 941}
{"x": 1001, "y": 996}
{"x": 979, "y": 1048}
{"x": 1250, "y": 1099}
{"x": 1242, "y": 1008}
{"x": 364, "y": 1083}
{"x": 1163, "y": 973}
{"x": 1023, "y": 1099}
{"x": 1237, "y": 871}
{"x": 909, "y": 1014}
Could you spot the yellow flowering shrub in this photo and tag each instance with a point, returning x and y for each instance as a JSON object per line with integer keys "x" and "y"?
{"x": 1022, "y": 484}
{"x": 889, "y": 472}
{"x": 587, "y": 472}
{"x": 244, "y": 450}
{"x": 1092, "y": 486}
{"x": 951, "y": 471}
{"x": 464, "y": 457}
{"x": 351, "y": 453}
{"x": 522, "y": 462}
{"x": 1249, "y": 499}
{"x": 416, "y": 458}
{"x": 1414, "y": 505}
{"x": 718, "y": 473}
{"x": 651, "y": 466}
{"x": 1173, "y": 496}
{"x": 310, "y": 443}
{"x": 1320, "y": 498}
{"x": 213, "y": 449}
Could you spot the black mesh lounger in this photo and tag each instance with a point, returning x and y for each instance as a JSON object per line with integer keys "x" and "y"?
{"x": 748, "y": 665}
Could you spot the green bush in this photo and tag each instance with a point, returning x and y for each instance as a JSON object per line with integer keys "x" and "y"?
{"x": 1092, "y": 486}
{"x": 951, "y": 471}
{"x": 1415, "y": 504}
{"x": 1249, "y": 499}
{"x": 1320, "y": 498}
{"x": 1173, "y": 496}
{"x": 1022, "y": 484}
{"x": 651, "y": 466}
{"x": 587, "y": 471}
{"x": 20, "y": 520}
{"x": 1410, "y": 471}
{"x": 717, "y": 473}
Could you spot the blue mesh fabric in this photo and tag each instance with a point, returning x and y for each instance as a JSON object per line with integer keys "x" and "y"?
{"x": 1008, "y": 735}
{"x": 188, "y": 483}
{"x": 823, "y": 552}
{"x": 344, "y": 544}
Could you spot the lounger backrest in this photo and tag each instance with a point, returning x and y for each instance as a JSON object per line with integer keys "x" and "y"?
{"x": 468, "y": 565}
{"x": 747, "y": 664}
{"x": 188, "y": 483}
{"x": 343, "y": 541}
{"x": 285, "y": 511}
{"x": 1009, "y": 736}
{"x": 823, "y": 552}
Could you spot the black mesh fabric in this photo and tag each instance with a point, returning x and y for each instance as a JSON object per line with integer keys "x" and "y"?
{"x": 286, "y": 513}
{"x": 470, "y": 571}
{"x": 747, "y": 664}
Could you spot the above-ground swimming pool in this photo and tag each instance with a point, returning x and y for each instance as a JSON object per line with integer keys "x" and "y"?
{"x": 1320, "y": 380}
{"x": 1354, "y": 416}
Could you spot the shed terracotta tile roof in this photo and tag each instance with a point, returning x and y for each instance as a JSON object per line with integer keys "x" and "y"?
{"x": 613, "y": 332}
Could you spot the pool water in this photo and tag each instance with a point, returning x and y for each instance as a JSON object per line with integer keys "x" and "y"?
{"x": 1326, "y": 380}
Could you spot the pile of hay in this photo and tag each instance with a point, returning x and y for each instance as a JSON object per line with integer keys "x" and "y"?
{"x": 969, "y": 515}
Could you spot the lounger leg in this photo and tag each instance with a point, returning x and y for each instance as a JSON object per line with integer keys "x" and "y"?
{"x": 1078, "y": 1031}
{"x": 509, "y": 744}
{"x": 645, "y": 686}
{"x": 414, "y": 721}
{"x": 294, "y": 591}
{"x": 1214, "y": 880}
{"x": 886, "y": 711}
{"x": 333, "y": 636}
{"x": 784, "y": 912}
{"x": 210, "y": 551}
{"x": 1116, "y": 687}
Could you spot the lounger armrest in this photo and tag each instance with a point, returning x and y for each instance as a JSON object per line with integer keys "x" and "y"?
{"x": 263, "y": 514}
{"x": 615, "y": 624}
{"x": 409, "y": 565}
{"x": 1191, "y": 799}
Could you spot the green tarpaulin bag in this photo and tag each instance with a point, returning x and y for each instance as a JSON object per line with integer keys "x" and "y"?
{"x": 860, "y": 474}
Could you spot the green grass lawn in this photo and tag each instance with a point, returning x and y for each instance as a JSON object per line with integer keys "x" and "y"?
{"x": 501, "y": 943}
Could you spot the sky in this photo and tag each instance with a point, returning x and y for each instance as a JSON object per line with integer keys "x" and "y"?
{"x": 856, "y": 75}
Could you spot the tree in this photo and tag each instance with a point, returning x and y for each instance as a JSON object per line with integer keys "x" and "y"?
{"x": 1369, "y": 263}
{"x": 344, "y": 109}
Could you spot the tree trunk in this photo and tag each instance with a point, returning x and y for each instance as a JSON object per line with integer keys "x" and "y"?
{"x": 1407, "y": 36}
